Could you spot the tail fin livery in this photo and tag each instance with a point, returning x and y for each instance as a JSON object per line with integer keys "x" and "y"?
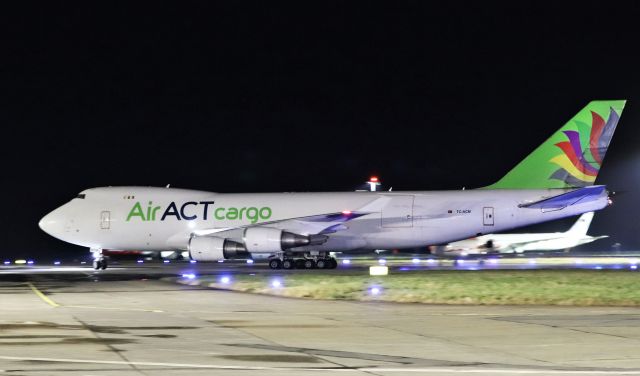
{"x": 582, "y": 225}
{"x": 573, "y": 155}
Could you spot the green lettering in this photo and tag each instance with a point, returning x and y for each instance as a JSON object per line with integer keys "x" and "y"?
{"x": 265, "y": 213}
{"x": 153, "y": 213}
{"x": 252, "y": 214}
{"x": 232, "y": 213}
{"x": 242, "y": 211}
{"x": 218, "y": 215}
{"x": 136, "y": 211}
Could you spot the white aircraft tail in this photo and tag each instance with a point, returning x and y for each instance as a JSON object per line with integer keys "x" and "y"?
{"x": 582, "y": 225}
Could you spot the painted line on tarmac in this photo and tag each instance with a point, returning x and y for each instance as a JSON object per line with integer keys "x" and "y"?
{"x": 42, "y": 296}
{"x": 454, "y": 370}
{"x": 116, "y": 308}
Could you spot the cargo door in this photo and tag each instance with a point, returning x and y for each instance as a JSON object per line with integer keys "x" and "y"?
{"x": 105, "y": 220}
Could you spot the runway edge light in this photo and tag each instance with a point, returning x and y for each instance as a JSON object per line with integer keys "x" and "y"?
{"x": 378, "y": 270}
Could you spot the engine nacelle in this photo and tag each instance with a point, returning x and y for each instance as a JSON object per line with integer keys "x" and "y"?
{"x": 268, "y": 239}
{"x": 211, "y": 248}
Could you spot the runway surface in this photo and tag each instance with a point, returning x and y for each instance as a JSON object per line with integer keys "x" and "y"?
{"x": 126, "y": 321}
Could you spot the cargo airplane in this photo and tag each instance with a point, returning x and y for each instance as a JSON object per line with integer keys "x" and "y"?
{"x": 301, "y": 229}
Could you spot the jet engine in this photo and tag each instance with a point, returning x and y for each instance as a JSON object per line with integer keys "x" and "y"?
{"x": 211, "y": 248}
{"x": 268, "y": 239}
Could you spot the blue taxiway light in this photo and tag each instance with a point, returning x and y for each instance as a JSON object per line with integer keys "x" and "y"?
{"x": 275, "y": 283}
{"x": 249, "y": 261}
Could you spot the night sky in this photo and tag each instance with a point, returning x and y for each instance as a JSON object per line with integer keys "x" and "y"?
{"x": 303, "y": 96}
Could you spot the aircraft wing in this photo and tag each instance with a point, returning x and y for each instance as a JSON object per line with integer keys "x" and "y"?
{"x": 320, "y": 224}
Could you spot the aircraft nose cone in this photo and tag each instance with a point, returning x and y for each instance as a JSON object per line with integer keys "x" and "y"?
{"x": 50, "y": 224}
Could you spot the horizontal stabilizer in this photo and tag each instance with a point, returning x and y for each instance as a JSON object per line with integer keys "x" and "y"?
{"x": 567, "y": 199}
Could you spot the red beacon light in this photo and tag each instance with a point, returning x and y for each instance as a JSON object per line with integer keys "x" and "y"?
{"x": 373, "y": 182}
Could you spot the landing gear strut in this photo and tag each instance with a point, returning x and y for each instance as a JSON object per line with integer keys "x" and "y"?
{"x": 100, "y": 261}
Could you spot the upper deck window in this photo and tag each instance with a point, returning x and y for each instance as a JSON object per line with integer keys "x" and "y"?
{"x": 81, "y": 195}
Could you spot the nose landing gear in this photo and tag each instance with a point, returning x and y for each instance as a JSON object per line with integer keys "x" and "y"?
{"x": 100, "y": 261}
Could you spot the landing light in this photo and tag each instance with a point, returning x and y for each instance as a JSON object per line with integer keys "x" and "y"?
{"x": 20, "y": 262}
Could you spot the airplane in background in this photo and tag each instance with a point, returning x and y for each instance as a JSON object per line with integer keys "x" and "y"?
{"x": 302, "y": 229}
{"x": 519, "y": 243}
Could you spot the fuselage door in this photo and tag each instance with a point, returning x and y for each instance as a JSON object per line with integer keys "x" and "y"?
{"x": 398, "y": 212}
{"x": 488, "y": 219}
{"x": 105, "y": 220}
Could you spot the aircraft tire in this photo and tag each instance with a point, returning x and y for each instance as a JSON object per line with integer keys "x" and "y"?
{"x": 288, "y": 264}
{"x": 309, "y": 264}
{"x": 275, "y": 264}
{"x": 322, "y": 264}
{"x": 104, "y": 264}
{"x": 97, "y": 264}
{"x": 332, "y": 263}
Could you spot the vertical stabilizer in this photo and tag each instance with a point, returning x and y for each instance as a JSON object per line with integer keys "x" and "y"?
{"x": 581, "y": 226}
{"x": 573, "y": 155}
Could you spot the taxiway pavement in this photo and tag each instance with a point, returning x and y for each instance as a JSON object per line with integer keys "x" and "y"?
{"x": 126, "y": 321}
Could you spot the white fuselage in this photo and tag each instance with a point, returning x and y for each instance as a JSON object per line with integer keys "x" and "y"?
{"x": 162, "y": 219}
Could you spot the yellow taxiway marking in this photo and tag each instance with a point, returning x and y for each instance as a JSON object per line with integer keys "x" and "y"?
{"x": 42, "y": 295}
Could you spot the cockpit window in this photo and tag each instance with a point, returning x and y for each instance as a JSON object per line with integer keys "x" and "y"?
{"x": 81, "y": 195}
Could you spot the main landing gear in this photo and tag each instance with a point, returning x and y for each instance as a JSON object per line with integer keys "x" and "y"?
{"x": 303, "y": 263}
{"x": 100, "y": 261}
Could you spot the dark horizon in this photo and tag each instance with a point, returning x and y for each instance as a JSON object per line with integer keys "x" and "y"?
{"x": 246, "y": 97}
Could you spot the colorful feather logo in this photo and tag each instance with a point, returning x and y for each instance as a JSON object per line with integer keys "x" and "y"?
{"x": 584, "y": 150}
